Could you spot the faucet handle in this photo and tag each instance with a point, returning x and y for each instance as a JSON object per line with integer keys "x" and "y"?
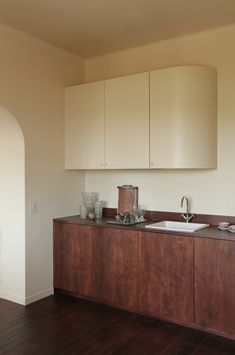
{"x": 187, "y": 217}
{"x": 190, "y": 217}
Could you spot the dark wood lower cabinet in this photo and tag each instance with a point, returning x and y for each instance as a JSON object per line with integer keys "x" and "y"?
{"x": 115, "y": 265}
{"x": 185, "y": 279}
{"x": 167, "y": 276}
{"x": 73, "y": 258}
{"x": 215, "y": 284}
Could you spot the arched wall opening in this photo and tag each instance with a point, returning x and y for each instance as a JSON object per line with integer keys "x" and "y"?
{"x": 12, "y": 209}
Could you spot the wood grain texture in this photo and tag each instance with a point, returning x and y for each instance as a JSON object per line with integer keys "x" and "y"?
{"x": 215, "y": 284}
{"x": 167, "y": 276}
{"x": 60, "y": 324}
{"x": 150, "y": 272}
{"x": 115, "y": 265}
{"x": 73, "y": 258}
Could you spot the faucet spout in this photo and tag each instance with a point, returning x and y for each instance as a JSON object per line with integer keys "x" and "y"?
{"x": 187, "y": 216}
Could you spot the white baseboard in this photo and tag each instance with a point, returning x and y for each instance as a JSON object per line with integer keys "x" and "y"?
{"x": 26, "y": 300}
{"x": 12, "y": 297}
{"x": 39, "y": 295}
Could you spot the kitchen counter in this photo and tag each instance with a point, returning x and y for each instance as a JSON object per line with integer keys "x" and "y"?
{"x": 210, "y": 232}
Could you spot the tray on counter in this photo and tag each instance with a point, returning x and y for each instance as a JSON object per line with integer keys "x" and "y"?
{"x": 125, "y": 224}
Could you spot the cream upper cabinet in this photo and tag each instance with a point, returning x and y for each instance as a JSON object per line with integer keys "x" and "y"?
{"x": 84, "y": 126}
{"x": 165, "y": 119}
{"x": 183, "y": 124}
{"x": 127, "y": 122}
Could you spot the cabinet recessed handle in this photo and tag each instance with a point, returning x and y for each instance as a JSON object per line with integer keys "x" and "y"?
{"x": 151, "y": 164}
{"x": 105, "y": 164}
{"x": 101, "y": 164}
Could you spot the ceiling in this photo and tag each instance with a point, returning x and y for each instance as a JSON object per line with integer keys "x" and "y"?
{"x": 95, "y": 27}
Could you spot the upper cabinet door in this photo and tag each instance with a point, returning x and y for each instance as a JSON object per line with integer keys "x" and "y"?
{"x": 183, "y": 125}
{"x": 127, "y": 122}
{"x": 84, "y": 126}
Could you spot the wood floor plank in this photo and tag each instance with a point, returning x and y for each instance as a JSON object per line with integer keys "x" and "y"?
{"x": 112, "y": 337}
{"x": 215, "y": 346}
{"x": 63, "y": 325}
{"x": 165, "y": 339}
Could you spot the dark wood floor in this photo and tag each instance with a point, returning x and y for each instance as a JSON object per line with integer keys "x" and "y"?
{"x": 63, "y": 325}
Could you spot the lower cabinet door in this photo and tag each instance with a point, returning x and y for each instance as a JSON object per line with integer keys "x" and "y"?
{"x": 115, "y": 265}
{"x": 73, "y": 258}
{"x": 215, "y": 284}
{"x": 167, "y": 276}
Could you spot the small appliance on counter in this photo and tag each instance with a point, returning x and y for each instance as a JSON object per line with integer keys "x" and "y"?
{"x": 127, "y": 198}
{"x": 129, "y": 212}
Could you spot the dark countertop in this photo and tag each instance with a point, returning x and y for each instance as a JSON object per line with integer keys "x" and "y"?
{"x": 210, "y": 232}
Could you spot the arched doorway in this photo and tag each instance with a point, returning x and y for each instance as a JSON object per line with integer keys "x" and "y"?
{"x": 12, "y": 209}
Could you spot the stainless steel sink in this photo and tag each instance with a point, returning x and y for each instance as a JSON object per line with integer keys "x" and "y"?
{"x": 177, "y": 226}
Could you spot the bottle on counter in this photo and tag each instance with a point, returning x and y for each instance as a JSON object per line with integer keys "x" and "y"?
{"x": 83, "y": 212}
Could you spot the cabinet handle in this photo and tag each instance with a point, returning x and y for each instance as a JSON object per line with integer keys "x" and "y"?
{"x": 101, "y": 164}
{"x": 151, "y": 164}
{"x": 105, "y": 164}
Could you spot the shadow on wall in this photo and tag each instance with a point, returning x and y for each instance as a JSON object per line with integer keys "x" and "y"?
{"x": 12, "y": 208}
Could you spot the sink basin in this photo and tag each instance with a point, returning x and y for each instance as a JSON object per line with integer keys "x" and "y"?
{"x": 177, "y": 226}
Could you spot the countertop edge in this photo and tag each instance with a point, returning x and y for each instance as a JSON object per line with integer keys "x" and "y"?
{"x": 210, "y": 232}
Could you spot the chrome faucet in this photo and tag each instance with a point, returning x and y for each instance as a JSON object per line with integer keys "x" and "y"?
{"x": 188, "y": 216}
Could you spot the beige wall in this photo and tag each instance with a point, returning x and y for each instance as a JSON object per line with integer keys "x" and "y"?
{"x": 12, "y": 208}
{"x": 33, "y": 76}
{"x": 211, "y": 191}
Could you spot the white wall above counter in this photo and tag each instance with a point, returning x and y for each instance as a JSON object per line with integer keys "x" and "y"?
{"x": 163, "y": 119}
